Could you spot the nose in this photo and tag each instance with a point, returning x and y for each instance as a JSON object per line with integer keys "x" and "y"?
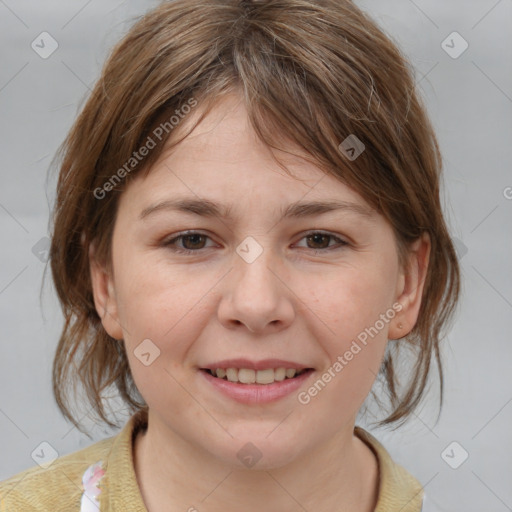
{"x": 255, "y": 295}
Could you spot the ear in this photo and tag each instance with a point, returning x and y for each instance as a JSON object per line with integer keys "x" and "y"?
{"x": 410, "y": 288}
{"x": 104, "y": 296}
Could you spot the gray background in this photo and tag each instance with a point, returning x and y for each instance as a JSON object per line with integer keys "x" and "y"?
{"x": 470, "y": 102}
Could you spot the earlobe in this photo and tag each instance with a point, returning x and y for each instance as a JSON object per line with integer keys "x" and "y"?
{"x": 410, "y": 288}
{"x": 104, "y": 296}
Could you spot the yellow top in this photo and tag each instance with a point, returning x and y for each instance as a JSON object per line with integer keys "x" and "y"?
{"x": 70, "y": 482}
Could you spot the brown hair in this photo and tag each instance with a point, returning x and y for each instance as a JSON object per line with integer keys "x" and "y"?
{"x": 314, "y": 72}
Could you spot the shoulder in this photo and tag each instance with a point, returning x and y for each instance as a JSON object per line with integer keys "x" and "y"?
{"x": 80, "y": 481}
{"x": 398, "y": 489}
{"x": 56, "y": 487}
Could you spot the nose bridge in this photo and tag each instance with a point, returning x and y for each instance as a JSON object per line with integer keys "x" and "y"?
{"x": 253, "y": 264}
{"x": 255, "y": 295}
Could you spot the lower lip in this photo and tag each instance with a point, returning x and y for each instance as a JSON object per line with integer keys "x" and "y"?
{"x": 257, "y": 393}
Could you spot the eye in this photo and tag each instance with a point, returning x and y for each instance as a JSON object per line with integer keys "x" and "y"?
{"x": 192, "y": 240}
{"x": 320, "y": 241}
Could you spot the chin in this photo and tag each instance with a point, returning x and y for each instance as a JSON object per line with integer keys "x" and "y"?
{"x": 257, "y": 453}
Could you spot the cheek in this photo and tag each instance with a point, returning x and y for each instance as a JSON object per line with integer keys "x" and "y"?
{"x": 168, "y": 307}
{"x": 156, "y": 297}
{"x": 355, "y": 312}
{"x": 358, "y": 316}
{"x": 351, "y": 300}
{"x": 162, "y": 312}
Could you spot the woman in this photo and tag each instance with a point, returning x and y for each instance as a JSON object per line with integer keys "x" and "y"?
{"x": 247, "y": 231}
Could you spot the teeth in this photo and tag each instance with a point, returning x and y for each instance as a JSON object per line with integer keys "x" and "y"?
{"x": 249, "y": 376}
{"x": 279, "y": 374}
{"x": 290, "y": 373}
{"x": 262, "y": 376}
{"x": 232, "y": 374}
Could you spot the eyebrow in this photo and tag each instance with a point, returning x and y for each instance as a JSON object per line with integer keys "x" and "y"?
{"x": 206, "y": 208}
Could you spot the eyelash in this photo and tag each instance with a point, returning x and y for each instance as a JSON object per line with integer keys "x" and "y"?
{"x": 171, "y": 244}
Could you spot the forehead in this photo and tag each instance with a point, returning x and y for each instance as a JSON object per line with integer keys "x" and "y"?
{"x": 224, "y": 161}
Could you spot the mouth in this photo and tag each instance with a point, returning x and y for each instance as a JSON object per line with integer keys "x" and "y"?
{"x": 250, "y": 376}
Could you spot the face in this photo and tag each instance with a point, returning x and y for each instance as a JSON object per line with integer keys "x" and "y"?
{"x": 318, "y": 289}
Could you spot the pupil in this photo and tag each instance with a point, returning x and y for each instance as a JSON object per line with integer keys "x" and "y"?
{"x": 188, "y": 237}
{"x": 317, "y": 236}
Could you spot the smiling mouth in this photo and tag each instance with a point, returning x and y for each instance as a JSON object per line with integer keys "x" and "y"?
{"x": 249, "y": 376}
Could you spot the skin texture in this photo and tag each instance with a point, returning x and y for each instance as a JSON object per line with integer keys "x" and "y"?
{"x": 297, "y": 301}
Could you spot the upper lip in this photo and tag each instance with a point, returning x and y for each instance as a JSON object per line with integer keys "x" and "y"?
{"x": 264, "y": 364}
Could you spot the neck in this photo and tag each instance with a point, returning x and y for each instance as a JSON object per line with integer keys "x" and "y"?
{"x": 172, "y": 474}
